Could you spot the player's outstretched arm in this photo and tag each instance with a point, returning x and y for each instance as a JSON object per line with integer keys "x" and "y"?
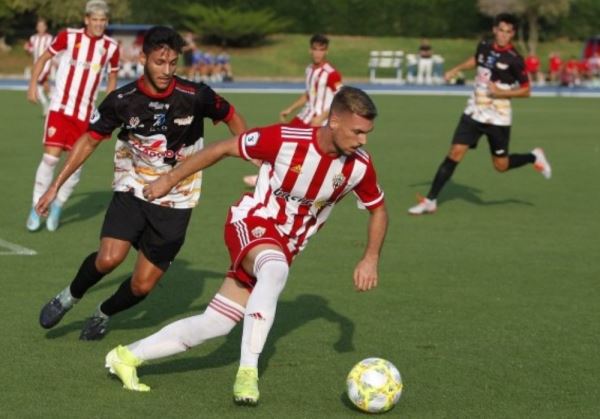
{"x": 38, "y": 66}
{"x": 237, "y": 124}
{"x": 297, "y": 104}
{"x": 468, "y": 64}
{"x": 194, "y": 163}
{"x": 365, "y": 273}
{"x": 82, "y": 149}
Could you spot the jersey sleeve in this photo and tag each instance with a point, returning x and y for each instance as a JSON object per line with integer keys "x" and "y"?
{"x": 368, "y": 191}
{"x": 213, "y": 106}
{"x": 104, "y": 120}
{"x": 334, "y": 80}
{"x": 520, "y": 72}
{"x": 260, "y": 143}
{"x": 59, "y": 43}
{"x": 114, "y": 61}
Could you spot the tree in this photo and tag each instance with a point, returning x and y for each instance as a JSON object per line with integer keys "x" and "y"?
{"x": 66, "y": 12}
{"x": 530, "y": 10}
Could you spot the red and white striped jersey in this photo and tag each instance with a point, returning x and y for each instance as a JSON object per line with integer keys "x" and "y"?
{"x": 322, "y": 83}
{"x": 37, "y": 45}
{"x": 80, "y": 68}
{"x": 298, "y": 184}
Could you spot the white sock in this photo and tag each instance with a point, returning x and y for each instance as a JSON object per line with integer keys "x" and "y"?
{"x": 66, "y": 189}
{"x": 271, "y": 271}
{"x": 44, "y": 175}
{"x": 220, "y": 317}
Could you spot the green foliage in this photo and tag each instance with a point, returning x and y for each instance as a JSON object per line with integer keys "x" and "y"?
{"x": 582, "y": 22}
{"x": 232, "y": 26}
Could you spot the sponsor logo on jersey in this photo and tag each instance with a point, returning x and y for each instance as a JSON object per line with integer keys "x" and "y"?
{"x": 158, "y": 105}
{"x": 251, "y": 138}
{"x": 502, "y": 66}
{"x": 500, "y": 151}
{"x": 258, "y": 232}
{"x": 154, "y": 146}
{"x": 299, "y": 199}
{"x": 184, "y": 121}
{"x": 338, "y": 180}
{"x": 51, "y": 131}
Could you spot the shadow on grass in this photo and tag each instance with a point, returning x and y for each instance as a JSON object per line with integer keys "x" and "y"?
{"x": 173, "y": 296}
{"x": 83, "y": 206}
{"x": 454, "y": 190}
{"x": 290, "y": 316}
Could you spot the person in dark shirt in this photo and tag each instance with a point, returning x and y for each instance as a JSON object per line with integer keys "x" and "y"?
{"x": 161, "y": 121}
{"x": 501, "y": 76}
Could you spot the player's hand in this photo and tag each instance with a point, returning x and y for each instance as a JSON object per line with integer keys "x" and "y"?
{"x": 157, "y": 189}
{"x": 494, "y": 90}
{"x": 449, "y": 75}
{"x": 283, "y": 115}
{"x": 365, "y": 275}
{"x": 32, "y": 95}
{"x": 44, "y": 202}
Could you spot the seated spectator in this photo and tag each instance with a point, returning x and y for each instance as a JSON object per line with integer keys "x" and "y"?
{"x": 570, "y": 73}
{"x": 223, "y": 66}
{"x": 532, "y": 66}
{"x": 411, "y": 68}
{"x": 425, "y": 64}
{"x": 554, "y": 68}
{"x": 189, "y": 52}
{"x": 204, "y": 63}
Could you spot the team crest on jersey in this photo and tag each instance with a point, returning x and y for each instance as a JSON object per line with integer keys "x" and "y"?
{"x": 320, "y": 204}
{"x": 95, "y": 116}
{"x": 338, "y": 180}
{"x": 51, "y": 131}
{"x": 258, "y": 232}
{"x": 134, "y": 121}
{"x": 297, "y": 168}
{"x": 251, "y": 138}
{"x": 96, "y": 67}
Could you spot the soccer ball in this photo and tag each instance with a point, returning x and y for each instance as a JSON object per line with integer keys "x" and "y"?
{"x": 374, "y": 385}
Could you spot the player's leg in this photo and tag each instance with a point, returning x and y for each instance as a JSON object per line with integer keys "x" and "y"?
{"x": 466, "y": 136}
{"x": 43, "y": 178}
{"x": 224, "y": 311}
{"x": 74, "y": 128}
{"x": 159, "y": 238}
{"x": 93, "y": 268}
{"x": 270, "y": 267}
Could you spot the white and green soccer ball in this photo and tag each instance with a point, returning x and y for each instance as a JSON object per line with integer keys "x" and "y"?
{"x": 374, "y": 385}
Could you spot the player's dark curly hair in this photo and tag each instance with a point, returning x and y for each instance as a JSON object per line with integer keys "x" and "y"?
{"x": 159, "y": 37}
{"x": 352, "y": 99}
{"x": 319, "y": 39}
{"x": 507, "y": 18}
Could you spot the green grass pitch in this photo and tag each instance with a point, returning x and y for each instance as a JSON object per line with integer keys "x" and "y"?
{"x": 489, "y": 308}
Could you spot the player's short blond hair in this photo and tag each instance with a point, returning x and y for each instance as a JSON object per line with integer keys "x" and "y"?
{"x": 96, "y": 6}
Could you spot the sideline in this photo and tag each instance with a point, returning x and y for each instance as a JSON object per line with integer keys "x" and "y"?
{"x": 15, "y": 249}
{"x": 259, "y": 87}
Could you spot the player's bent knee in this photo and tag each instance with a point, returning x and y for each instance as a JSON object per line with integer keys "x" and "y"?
{"x": 139, "y": 288}
{"x": 501, "y": 165}
{"x": 106, "y": 262}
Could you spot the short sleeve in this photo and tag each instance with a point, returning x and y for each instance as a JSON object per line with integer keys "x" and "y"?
{"x": 520, "y": 72}
{"x": 260, "y": 143}
{"x": 213, "y": 106}
{"x": 105, "y": 120}
{"x": 334, "y": 80}
{"x": 368, "y": 191}
{"x": 59, "y": 43}
{"x": 114, "y": 61}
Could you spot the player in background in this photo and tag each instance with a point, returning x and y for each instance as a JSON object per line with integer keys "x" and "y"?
{"x": 36, "y": 45}
{"x": 501, "y": 76}
{"x": 322, "y": 81}
{"x": 306, "y": 172}
{"x": 84, "y": 54}
{"x": 161, "y": 121}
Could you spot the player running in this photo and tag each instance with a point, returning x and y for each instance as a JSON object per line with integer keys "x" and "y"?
{"x": 84, "y": 55}
{"x": 161, "y": 121}
{"x": 500, "y": 77}
{"x": 305, "y": 172}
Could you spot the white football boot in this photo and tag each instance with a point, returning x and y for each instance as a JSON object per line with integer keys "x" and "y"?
{"x": 541, "y": 163}
{"x": 425, "y": 206}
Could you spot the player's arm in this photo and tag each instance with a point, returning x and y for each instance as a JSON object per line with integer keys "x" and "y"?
{"x": 236, "y": 124}
{"x": 468, "y": 64}
{"x": 194, "y": 163}
{"x": 38, "y": 67}
{"x": 365, "y": 273}
{"x": 297, "y": 104}
{"x": 111, "y": 83}
{"x": 82, "y": 149}
{"x": 318, "y": 120}
{"x": 521, "y": 91}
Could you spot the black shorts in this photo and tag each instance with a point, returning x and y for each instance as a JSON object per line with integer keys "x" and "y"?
{"x": 469, "y": 131}
{"x": 158, "y": 232}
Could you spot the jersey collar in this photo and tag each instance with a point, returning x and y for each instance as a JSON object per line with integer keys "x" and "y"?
{"x": 142, "y": 86}
{"x": 501, "y": 49}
